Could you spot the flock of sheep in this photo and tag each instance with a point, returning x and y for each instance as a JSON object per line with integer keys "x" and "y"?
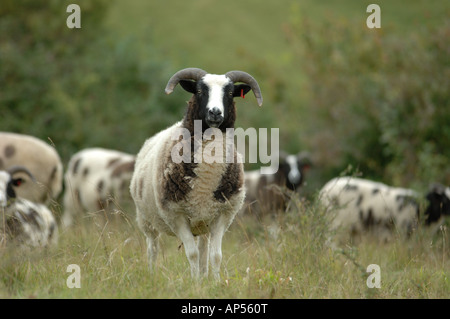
{"x": 194, "y": 201}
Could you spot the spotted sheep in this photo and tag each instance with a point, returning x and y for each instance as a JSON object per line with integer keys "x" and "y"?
{"x": 96, "y": 179}
{"x": 190, "y": 199}
{"x": 360, "y": 206}
{"x": 24, "y": 223}
{"x": 41, "y": 159}
{"x": 269, "y": 193}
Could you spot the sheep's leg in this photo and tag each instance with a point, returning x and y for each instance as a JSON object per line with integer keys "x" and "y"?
{"x": 151, "y": 237}
{"x": 183, "y": 231}
{"x": 218, "y": 229}
{"x": 152, "y": 247}
{"x": 203, "y": 247}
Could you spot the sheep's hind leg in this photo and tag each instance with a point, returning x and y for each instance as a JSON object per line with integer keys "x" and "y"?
{"x": 203, "y": 247}
{"x": 151, "y": 237}
{"x": 152, "y": 248}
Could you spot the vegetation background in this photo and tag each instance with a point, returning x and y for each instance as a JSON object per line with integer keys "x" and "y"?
{"x": 375, "y": 101}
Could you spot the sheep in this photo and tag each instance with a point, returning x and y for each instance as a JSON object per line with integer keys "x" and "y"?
{"x": 95, "y": 179}
{"x": 438, "y": 208}
{"x": 192, "y": 198}
{"x": 24, "y": 223}
{"x": 41, "y": 159}
{"x": 270, "y": 193}
{"x": 361, "y": 205}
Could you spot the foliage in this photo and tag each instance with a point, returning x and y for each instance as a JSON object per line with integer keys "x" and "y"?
{"x": 378, "y": 100}
{"x": 78, "y": 87}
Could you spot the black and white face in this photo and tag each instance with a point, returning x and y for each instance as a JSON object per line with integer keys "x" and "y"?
{"x": 294, "y": 167}
{"x": 214, "y": 94}
{"x": 438, "y": 205}
{"x": 7, "y": 185}
{"x": 294, "y": 176}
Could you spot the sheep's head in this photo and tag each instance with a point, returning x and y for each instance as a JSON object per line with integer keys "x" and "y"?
{"x": 8, "y": 183}
{"x": 438, "y": 203}
{"x": 293, "y": 167}
{"x": 214, "y": 93}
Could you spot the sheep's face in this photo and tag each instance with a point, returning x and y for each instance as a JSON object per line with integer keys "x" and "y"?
{"x": 439, "y": 205}
{"x": 6, "y": 187}
{"x": 214, "y": 95}
{"x": 293, "y": 168}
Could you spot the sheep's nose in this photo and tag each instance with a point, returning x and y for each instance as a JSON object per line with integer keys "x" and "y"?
{"x": 215, "y": 112}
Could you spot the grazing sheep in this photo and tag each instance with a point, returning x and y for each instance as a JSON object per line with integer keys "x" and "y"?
{"x": 439, "y": 204}
{"x": 23, "y": 222}
{"x": 362, "y": 206}
{"x": 42, "y": 161}
{"x": 95, "y": 179}
{"x": 193, "y": 198}
{"x": 270, "y": 193}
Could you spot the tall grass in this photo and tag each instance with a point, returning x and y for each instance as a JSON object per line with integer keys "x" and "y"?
{"x": 286, "y": 256}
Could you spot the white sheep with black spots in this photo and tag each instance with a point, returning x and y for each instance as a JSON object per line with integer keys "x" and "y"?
{"x": 24, "y": 223}
{"x": 97, "y": 180}
{"x": 41, "y": 159}
{"x": 192, "y": 198}
{"x": 362, "y": 206}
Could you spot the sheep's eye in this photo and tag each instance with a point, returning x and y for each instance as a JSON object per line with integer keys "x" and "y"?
{"x": 199, "y": 92}
{"x": 231, "y": 93}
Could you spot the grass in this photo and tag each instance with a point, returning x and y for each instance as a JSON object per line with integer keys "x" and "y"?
{"x": 284, "y": 258}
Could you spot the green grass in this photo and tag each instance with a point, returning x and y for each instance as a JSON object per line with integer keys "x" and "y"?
{"x": 287, "y": 257}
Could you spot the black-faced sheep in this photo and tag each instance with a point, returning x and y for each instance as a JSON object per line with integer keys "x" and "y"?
{"x": 191, "y": 197}
{"x": 42, "y": 161}
{"x": 364, "y": 206}
{"x": 96, "y": 179}
{"x": 23, "y": 222}
{"x": 439, "y": 204}
{"x": 270, "y": 193}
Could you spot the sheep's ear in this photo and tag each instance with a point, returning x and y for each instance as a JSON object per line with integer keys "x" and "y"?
{"x": 241, "y": 90}
{"x": 188, "y": 85}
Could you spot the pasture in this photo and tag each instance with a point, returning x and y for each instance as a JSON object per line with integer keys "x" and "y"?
{"x": 287, "y": 257}
{"x": 370, "y": 102}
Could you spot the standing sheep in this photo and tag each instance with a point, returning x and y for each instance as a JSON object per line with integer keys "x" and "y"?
{"x": 361, "y": 206}
{"x": 23, "y": 222}
{"x": 270, "y": 193}
{"x": 42, "y": 161}
{"x": 193, "y": 198}
{"x": 95, "y": 179}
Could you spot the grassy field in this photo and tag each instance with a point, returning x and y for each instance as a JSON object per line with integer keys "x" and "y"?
{"x": 283, "y": 257}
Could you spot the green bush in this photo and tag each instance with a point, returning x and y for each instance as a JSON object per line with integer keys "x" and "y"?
{"x": 79, "y": 87}
{"x": 377, "y": 100}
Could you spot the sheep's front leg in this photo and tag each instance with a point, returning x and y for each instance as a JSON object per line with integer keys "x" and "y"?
{"x": 203, "y": 247}
{"x": 218, "y": 229}
{"x": 182, "y": 230}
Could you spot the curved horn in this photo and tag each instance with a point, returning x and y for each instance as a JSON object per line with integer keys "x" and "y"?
{"x": 184, "y": 74}
{"x": 16, "y": 169}
{"x": 244, "y": 77}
